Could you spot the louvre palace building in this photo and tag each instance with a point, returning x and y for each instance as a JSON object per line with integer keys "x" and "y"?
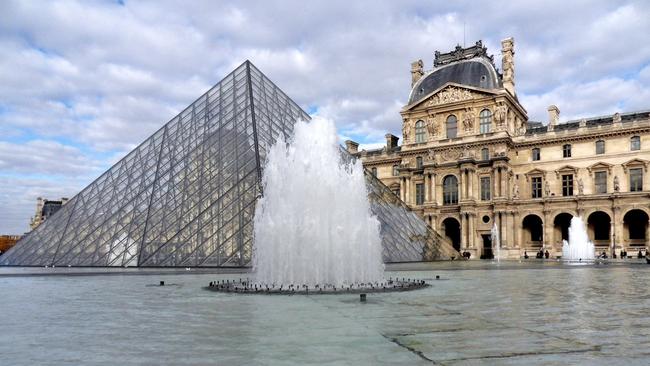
{"x": 471, "y": 159}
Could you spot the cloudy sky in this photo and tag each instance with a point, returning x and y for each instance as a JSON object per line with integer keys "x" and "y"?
{"x": 81, "y": 83}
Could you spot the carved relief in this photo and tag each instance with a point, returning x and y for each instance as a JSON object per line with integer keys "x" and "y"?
{"x": 450, "y": 155}
{"x": 432, "y": 126}
{"x": 406, "y": 129}
{"x": 468, "y": 120}
{"x": 500, "y": 115}
{"x": 450, "y": 95}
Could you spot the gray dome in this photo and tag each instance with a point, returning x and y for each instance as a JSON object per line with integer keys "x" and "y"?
{"x": 476, "y": 72}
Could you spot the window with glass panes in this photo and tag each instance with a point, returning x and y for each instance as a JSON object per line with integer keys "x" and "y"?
{"x": 635, "y": 143}
{"x": 450, "y": 190}
{"x": 485, "y": 188}
{"x": 485, "y": 118}
{"x": 420, "y": 132}
{"x": 600, "y": 182}
{"x": 536, "y": 154}
{"x": 600, "y": 147}
{"x": 395, "y": 170}
{"x": 418, "y": 162}
{"x": 536, "y": 187}
{"x": 419, "y": 194}
{"x": 566, "y": 151}
{"x": 567, "y": 185}
{"x": 452, "y": 127}
{"x": 485, "y": 153}
{"x": 636, "y": 180}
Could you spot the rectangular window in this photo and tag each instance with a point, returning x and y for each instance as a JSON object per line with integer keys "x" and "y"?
{"x": 636, "y": 180}
{"x": 485, "y": 188}
{"x": 395, "y": 171}
{"x": 566, "y": 151}
{"x": 536, "y": 187}
{"x": 635, "y": 143}
{"x": 600, "y": 181}
{"x": 418, "y": 162}
{"x": 374, "y": 172}
{"x": 536, "y": 154}
{"x": 567, "y": 185}
{"x": 419, "y": 194}
{"x": 600, "y": 147}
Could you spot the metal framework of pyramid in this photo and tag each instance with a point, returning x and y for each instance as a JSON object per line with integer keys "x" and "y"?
{"x": 186, "y": 196}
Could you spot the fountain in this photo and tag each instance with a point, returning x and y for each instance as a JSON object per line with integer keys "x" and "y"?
{"x": 496, "y": 242}
{"x": 579, "y": 247}
{"x": 313, "y": 228}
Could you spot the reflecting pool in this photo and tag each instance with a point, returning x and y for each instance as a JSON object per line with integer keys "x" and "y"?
{"x": 477, "y": 313}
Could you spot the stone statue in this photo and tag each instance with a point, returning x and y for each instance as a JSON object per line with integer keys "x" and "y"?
{"x": 406, "y": 129}
{"x": 617, "y": 186}
{"x": 431, "y": 155}
{"x": 515, "y": 190}
{"x": 468, "y": 120}
{"x": 432, "y": 127}
{"x": 500, "y": 114}
{"x": 581, "y": 186}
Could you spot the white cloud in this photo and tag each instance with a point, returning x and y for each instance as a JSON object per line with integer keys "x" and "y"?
{"x": 101, "y": 77}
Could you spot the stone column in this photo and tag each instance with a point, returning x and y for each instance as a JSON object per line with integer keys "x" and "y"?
{"x": 472, "y": 235}
{"x": 546, "y": 232}
{"x": 463, "y": 226}
{"x": 461, "y": 191}
{"x": 495, "y": 183}
{"x": 432, "y": 181}
{"x": 471, "y": 184}
{"x": 512, "y": 242}
{"x": 504, "y": 229}
{"x": 517, "y": 230}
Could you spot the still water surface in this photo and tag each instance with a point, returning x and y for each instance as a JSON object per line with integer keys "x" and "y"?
{"x": 477, "y": 313}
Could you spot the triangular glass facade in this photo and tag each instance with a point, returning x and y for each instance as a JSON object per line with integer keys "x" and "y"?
{"x": 186, "y": 196}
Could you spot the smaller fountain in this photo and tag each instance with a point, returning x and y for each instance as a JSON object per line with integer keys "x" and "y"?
{"x": 496, "y": 242}
{"x": 579, "y": 247}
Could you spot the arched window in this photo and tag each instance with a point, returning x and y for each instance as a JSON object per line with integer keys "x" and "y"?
{"x": 485, "y": 153}
{"x": 395, "y": 170}
{"x": 635, "y": 143}
{"x": 452, "y": 127}
{"x": 486, "y": 120}
{"x": 420, "y": 132}
{"x": 450, "y": 190}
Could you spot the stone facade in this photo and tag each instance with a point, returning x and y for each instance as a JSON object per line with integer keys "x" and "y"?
{"x": 470, "y": 159}
{"x": 44, "y": 209}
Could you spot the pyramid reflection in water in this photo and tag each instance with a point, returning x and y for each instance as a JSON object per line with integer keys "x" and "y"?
{"x": 186, "y": 196}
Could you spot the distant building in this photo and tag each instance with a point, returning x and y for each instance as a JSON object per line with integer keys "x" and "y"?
{"x": 44, "y": 209}
{"x": 8, "y": 241}
{"x": 471, "y": 159}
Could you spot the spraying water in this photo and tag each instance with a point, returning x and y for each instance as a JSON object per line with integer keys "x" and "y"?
{"x": 579, "y": 247}
{"x": 313, "y": 226}
{"x": 496, "y": 242}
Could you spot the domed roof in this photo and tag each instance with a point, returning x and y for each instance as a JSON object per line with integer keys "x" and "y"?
{"x": 477, "y": 72}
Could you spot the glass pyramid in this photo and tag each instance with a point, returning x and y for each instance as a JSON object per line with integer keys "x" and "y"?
{"x": 186, "y": 196}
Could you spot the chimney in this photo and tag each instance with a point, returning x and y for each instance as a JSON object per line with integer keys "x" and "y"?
{"x": 391, "y": 142}
{"x": 417, "y": 70}
{"x": 351, "y": 146}
{"x": 508, "y": 64}
{"x": 553, "y": 116}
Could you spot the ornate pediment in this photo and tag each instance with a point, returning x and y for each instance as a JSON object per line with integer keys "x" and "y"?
{"x": 565, "y": 169}
{"x": 600, "y": 166}
{"x": 535, "y": 172}
{"x": 449, "y": 93}
{"x": 636, "y": 163}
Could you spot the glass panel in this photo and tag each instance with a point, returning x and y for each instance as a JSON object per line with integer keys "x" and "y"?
{"x": 636, "y": 180}
{"x": 452, "y": 127}
{"x": 485, "y": 188}
{"x": 600, "y": 180}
